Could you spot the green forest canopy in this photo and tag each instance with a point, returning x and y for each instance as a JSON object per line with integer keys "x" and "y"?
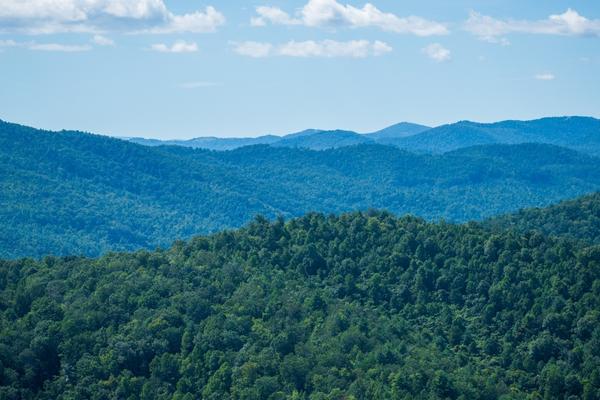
{"x": 578, "y": 219}
{"x": 358, "y": 306}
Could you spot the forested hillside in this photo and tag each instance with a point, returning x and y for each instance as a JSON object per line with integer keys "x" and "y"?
{"x": 577, "y": 133}
{"x": 76, "y": 193}
{"x": 577, "y": 219}
{"x": 360, "y": 306}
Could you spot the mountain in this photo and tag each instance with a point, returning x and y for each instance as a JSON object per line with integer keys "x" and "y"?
{"x": 78, "y": 193}
{"x": 322, "y": 140}
{"x": 313, "y": 139}
{"x": 576, "y": 219}
{"x": 210, "y": 143}
{"x": 357, "y": 306}
{"x": 577, "y": 133}
{"x": 401, "y": 130}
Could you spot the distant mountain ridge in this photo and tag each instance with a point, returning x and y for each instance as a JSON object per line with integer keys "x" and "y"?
{"x": 209, "y": 143}
{"x": 77, "y": 193}
{"x": 577, "y": 133}
{"x": 314, "y": 139}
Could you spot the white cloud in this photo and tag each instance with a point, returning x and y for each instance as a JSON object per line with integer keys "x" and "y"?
{"x": 97, "y": 16}
{"x": 179, "y": 46}
{"x": 8, "y": 43}
{"x": 569, "y": 23}
{"x": 65, "y": 48}
{"x": 331, "y": 13}
{"x": 253, "y": 49}
{"x": 102, "y": 40}
{"x": 326, "y": 48}
{"x": 273, "y": 15}
{"x": 197, "y": 22}
{"x": 380, "y": 48}
{"x": 546, "y": 76}
{"x": 31, "y": 45}
{"x": 437, "y": 52}
{"x": 311, "y": 48}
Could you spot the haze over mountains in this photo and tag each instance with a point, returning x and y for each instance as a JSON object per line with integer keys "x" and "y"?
{"x": 314, "y": 139}
{"x": 578, "y": 133}
{"x": 78, "y": 193}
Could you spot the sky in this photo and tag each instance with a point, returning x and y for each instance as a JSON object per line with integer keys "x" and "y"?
{"x": 176, "y": 69}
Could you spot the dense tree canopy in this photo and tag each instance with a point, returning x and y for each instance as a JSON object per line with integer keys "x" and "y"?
{"x": 74, "y": 193}
{"x": 578, "y": 219}
{"x": 358, "y": 306}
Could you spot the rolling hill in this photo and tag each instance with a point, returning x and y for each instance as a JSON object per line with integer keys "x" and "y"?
{"x": 322, "y": 140}
{"x": 356, "y": 306}
{"x": 576, "y": 219}
{"x": 78, "y": 193}
{"x": 400, "y": 130}
{"x": 314, "y": 139}
{"x": 577, "y": 133}
{"x": 210, "y": 143}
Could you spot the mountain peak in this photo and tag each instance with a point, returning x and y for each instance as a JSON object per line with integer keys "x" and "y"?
{"x": 399, "y": 130}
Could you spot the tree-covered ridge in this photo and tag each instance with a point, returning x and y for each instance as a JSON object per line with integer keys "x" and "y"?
{"x": 577, "y": 133}
{"x": 577, "y": 219}
{"x": 360, "y": 306}
{"x": 76, "y": 193}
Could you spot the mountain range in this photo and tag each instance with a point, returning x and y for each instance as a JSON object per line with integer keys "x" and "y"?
{"x": 578, "y": 133}
{"x": 314, "y": 139}
{"x": 78, "y": 193}
{"x": 314, "y": 294}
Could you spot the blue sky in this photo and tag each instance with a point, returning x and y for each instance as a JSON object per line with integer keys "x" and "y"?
{"x": 186, "y": 68}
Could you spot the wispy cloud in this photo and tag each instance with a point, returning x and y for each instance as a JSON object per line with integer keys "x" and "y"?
{"x": 546, "y": 76}
{"x": 179, "y": 46}
{"x": 8, "y": 43}
{"x": 569, "y": 23}
{"x": 60, "y": 47}
{"x": 273, "y": 15}
{"x": 252, "y": 49}
{"x": 311, "y": 48}
{"x": 437, "y": 52}
{"x": 102, "y": 41}
{"x": 64, "y": 48}
{"x": 97, "y": 16}
{"x": 332, "y": 13}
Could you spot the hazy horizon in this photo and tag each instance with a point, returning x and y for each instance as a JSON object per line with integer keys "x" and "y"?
{"x": 281, "y": 134}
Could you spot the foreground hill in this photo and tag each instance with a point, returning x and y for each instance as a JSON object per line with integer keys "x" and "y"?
{"x": 577, "y": 219}
{"x": 76, "y": 193}
{"x": 577, "y": 133}
{"x": 361, "y": 306}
